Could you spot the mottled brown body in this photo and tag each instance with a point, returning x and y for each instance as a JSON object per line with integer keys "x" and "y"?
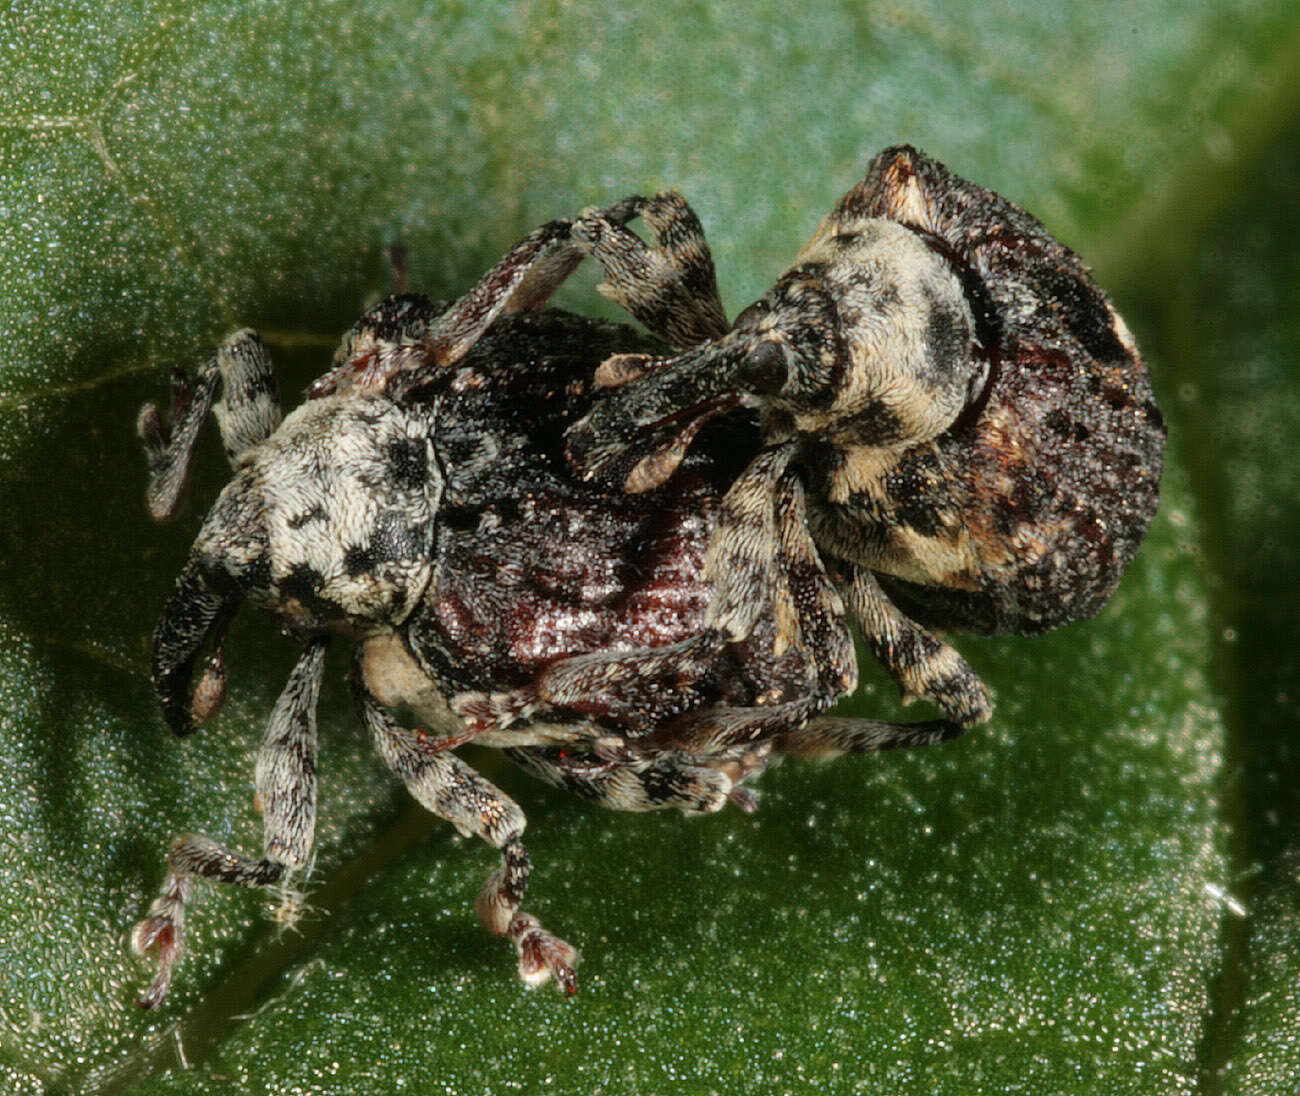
{"x": 534, "y": 566}
{"x": 970, "y": 418}
{"x": 1024, "y": 513}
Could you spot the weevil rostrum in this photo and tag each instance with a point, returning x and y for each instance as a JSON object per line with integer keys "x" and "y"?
{"x": 631, "y": 561}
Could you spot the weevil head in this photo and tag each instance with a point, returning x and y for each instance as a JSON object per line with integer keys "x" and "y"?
{"x": 871, "y": 338}
{"x": 329, "y": 525}
{"x": 876, "y": 338}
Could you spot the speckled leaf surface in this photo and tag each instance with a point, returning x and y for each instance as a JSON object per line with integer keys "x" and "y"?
{"x": 1097, "y": 893}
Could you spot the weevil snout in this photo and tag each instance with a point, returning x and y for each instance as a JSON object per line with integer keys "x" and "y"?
{"x": 228, "y": 563}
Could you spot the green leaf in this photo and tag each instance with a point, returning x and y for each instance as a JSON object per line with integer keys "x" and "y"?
{"x": 1097, "y": 893}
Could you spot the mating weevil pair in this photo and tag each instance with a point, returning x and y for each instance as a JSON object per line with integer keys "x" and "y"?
{"x": 632, "y": 561}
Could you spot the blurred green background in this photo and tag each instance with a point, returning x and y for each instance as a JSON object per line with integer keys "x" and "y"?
{"x": 1097, "y": 893}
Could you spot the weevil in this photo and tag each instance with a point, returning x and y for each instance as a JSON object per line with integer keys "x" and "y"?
{"x": 955, "y": 408}
{"x": 420, "y": 504}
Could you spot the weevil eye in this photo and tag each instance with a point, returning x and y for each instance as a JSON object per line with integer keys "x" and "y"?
{"x": 766, "y": 369}
{"x": 750, "y": 316}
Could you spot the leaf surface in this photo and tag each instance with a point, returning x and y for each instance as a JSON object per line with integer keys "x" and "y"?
{"x": 1047, "y": 905}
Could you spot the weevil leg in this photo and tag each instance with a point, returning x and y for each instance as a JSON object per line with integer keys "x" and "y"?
{"x": 248, "y": 412}
{"x": 810, "y": 614}
{"x": 522, "y": 280}
{"x": 741, "y": 558}
{"x": 923, "y": 666}
{"x": 796, "y": 729}
{"x": 811, "y": 617}
{"x": 670, "y": 286}
{"x": 657, "y": 694}
{"x": 443, "y": 784}
{"x": 764, "y": 549}
{"x": 286, "y": 786}
{"x": 636, "y": 687}
{"x": 762, "y": 556}
{"x": 663, "y": 780}
{"x": 662, "y": 408}
{"x": 722, "y": 728}
{"x": 192, "y": 856}
{"x": 829, "y": 736}
{"x": 285, "y": 775}
{"x": 169, "y": 445}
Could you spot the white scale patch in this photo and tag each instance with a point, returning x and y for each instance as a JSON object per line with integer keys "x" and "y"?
{"x": 321, "y": 465}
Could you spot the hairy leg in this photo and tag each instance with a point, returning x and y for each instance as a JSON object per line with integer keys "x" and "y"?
{"x": 443, "y": 784}
{"x": 741, "y": 560}
{"x": 286, "y": 786}
{"x": 663, "y": 780}
{"x": 923, "y": 666}
{"x": 669, "y": 285}
{"x": 247, "y": 412}
{"x": 830, "y": 736}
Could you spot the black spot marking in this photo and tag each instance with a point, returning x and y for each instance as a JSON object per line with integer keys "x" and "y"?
{"x": 257, "y": 575}
{"x": 875, "y": 424}
{"x": 461, "y": 519}
{"x": 316, "y": 513}
{"x": 1116, "y": 397}
{"x": 903, "y": 649}
{"x": 988, "y": 321}
{"x": 662, "y": 784}
{"x": 408, "y": 467}
{"x": 1028, "y": 501}
{"x": 823, "y": 461}
{"x": 396, "y": 539}
{"x": 1083, "y": 309}
{"x": 1060, "y": 423}
{"x": 366, "y": 417}
{"x": 886, "y": 299}
{"x": 357, "y": 560}
{"x": 915, "y": 504}
{"x": 919, "y": 515}
{"x": 303, "y": 584}
{"x": 947, "y": 339}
